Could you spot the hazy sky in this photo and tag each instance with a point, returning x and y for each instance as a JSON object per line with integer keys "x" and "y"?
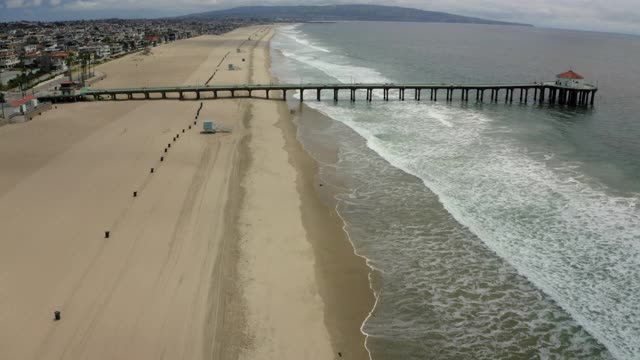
{"x": 599, "y": 15}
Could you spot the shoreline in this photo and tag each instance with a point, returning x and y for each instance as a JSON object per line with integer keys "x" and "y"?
{"x": 345, "y": 281}
{"x": 320, "y": 154}
{"x": 365, "y": 299}
{"x": 341, "y": 276}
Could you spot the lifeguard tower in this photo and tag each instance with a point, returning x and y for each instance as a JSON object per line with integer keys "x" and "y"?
{"x": 209, "y": 127}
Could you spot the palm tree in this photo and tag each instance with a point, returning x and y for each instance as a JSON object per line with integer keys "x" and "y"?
{"x": 23, "y": 80}
{"x": 89, "y": 64}
{"x": 83, "y": 66}
{"x": 2, "y": 100}
{"x": 70, "y": 60}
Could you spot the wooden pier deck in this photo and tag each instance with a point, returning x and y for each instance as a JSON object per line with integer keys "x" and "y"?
{"x": 540, "y": 93}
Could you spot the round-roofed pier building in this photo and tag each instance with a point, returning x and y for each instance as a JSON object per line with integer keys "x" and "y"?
{"x": 570, "y": 79}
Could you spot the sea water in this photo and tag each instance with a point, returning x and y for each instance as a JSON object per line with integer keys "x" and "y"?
{"x": 498, "y": 230}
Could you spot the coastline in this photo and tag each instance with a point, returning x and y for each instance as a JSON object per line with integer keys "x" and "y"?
{"x": 340, "y": 275}
{"x": 320, "y": 157}
{"x": 180, "y": 275}
{"x": 343, "y": 274}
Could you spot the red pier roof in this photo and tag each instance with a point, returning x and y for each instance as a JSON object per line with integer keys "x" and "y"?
{"x": 570, "y": 75}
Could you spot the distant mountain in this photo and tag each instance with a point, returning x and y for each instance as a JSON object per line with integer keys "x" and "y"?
{"x": 340, "y": 13}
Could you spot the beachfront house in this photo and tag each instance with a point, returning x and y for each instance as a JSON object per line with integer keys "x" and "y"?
{"x": 28, "y": 49}
{"x": 8, "y": 59}
{"x": 30, "y": 56}
{"x": 58, "y": 60}
{"x": 570, "y": 79}
{"x": 152, "y": 40}
{"x": 31, "y": 59}
{"x": 103, "y": 51}
{"x": 116, "y": 49}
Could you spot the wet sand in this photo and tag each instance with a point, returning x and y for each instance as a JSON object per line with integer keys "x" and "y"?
{"x": 223, "y": 253}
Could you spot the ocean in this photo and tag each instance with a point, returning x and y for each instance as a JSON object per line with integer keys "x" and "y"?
{"x": 496, "y": 231}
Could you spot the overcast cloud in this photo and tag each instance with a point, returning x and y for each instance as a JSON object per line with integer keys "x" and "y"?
{"x": 598, "y": 15}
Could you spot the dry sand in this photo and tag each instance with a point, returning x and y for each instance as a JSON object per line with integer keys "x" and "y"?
{"x": 226, "y": 252}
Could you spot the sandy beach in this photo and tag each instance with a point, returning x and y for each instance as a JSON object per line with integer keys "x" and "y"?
{"x": 225, "y": 252}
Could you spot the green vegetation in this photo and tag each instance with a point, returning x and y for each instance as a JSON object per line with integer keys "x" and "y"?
{"x": 23, "y": 80}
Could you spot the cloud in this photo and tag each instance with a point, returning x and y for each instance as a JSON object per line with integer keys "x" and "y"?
{"x": 16, "y": 4}
{"x": 12, "y": 4}
{"x": 83, "y": 5}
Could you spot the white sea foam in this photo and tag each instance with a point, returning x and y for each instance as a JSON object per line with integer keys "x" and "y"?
{"x": 291, "y": 32}
{"x": 306, "y": 43}
{"x": 559, "y": 228}
{"x": 582, "y": 249}
{"x": 343, "y": 73}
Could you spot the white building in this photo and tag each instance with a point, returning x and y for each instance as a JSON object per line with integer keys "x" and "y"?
{"x": 103, "y": 51}
{"x": 31, "y": 59}
{"x": 116, "y": 49}
{"x": 8, "y": 59}
{"x": 59, "y": 61}
{"x": 28, "y": 49}
{"x": 570, "y": 79}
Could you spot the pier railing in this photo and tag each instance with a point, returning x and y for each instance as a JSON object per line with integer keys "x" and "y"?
{"x": 538, "y": 92}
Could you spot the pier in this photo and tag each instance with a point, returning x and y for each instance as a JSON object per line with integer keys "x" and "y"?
{"x": 539, "y": 93}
